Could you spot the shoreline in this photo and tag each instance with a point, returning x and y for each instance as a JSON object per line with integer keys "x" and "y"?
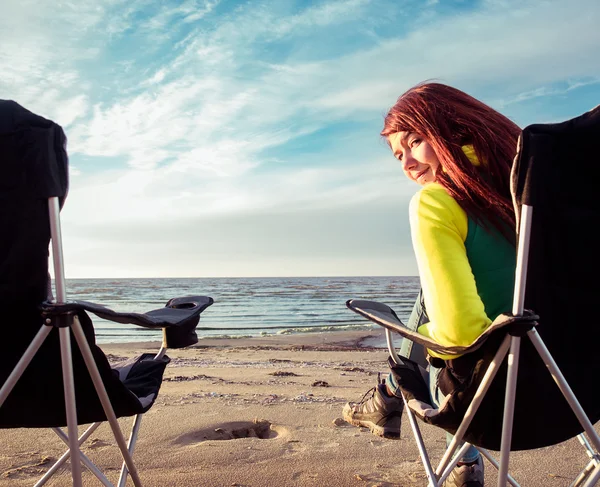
{"x": 344, "y": 340}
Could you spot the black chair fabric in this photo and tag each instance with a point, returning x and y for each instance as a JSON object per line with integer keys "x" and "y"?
{"x": 556, "y": 173}
{"x": 34, "y": 166}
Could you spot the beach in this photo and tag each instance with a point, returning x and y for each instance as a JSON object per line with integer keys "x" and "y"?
{"x": 266, "y": 412}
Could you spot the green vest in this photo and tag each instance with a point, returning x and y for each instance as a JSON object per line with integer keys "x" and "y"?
{"x": 493, "y": 260}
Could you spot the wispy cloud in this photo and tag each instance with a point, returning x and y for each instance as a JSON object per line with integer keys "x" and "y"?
{"x": 206, "y": 110}
{"x": 549, "y": 91}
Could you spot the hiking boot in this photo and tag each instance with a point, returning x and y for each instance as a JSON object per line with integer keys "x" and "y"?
{"x": 377, "y": 411}
{"x": 468, "y": 475}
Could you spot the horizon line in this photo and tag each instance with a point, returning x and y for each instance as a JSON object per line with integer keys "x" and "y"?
{"x": 241, "y": 277}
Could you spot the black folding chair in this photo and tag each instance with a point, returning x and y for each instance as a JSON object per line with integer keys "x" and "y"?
{"x": 45, "y": 381}
{"x": 554, "y": 177}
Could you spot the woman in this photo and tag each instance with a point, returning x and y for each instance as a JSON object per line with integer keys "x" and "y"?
{"x": 462, "y": 226}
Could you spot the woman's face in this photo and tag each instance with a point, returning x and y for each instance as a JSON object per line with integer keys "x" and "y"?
{"x": 419, "y": 162}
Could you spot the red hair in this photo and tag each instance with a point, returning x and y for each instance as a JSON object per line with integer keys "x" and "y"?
{"x": 450, "y": 119}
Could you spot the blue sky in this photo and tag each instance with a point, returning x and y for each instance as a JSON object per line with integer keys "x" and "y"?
{"x": 228, "y": 138}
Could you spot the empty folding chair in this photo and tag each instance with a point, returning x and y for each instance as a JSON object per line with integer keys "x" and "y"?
{"x": 549, "y": 338}
{"x": 45, "y": 380}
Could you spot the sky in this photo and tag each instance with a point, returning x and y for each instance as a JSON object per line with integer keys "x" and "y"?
{"x": 228, "y": 138}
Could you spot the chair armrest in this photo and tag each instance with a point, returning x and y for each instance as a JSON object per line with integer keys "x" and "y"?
{"x": 385, "y": 316}
{"x": 178, "y": 318}
{"x": 175, "y": 312}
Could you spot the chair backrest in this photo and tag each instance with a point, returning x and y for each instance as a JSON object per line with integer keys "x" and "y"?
{"x": 556, "y": 173}
{"x": 34, "y": 165}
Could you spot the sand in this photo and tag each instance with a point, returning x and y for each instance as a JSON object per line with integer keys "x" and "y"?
{"x": 266, "y": 412}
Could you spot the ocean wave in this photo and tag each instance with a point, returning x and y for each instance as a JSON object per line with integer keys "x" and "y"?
{"x": 321, "y": 329}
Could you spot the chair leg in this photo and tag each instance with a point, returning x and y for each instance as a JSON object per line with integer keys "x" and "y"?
{"x": 593, "y": 478}
{"x": 565, "y": 388}
{"x": 421, "y": 446}
{"x": 131, "y": 446}
{"x": 594, "y": 461}
{"x": 85, "y": 460}
{"x": 411, "y": 419}
{"x": 493, "y": 461}
{"x": 71, "y": 410}
{"x": 509, "y": 409}
{"x": 66, "y": 454}
{"x": 588, "y": 448}
{"x": 584, "y": 474}
{"x": 23, "y": 362}
{"x": 448, "y": 468}
{"x": 137, "y": 422}
{"x": 475, "y": 403}
{"x": 105, "y": 401}
{"x": 391, "y": 348}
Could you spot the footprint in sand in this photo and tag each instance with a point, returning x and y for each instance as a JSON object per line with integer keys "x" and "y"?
{"x": 401, "y": 474}
{"x": 259, "y": 428}
{"x": 33, "y": 466}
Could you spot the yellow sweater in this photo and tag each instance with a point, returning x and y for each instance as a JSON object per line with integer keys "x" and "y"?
{"x": 439, "y": 229}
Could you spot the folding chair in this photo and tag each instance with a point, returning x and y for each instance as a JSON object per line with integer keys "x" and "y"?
{"x": 550, "y": 327}
{"x": 45, "y": 381}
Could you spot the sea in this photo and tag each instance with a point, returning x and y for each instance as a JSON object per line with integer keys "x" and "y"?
{"x": 246, "y": 307}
